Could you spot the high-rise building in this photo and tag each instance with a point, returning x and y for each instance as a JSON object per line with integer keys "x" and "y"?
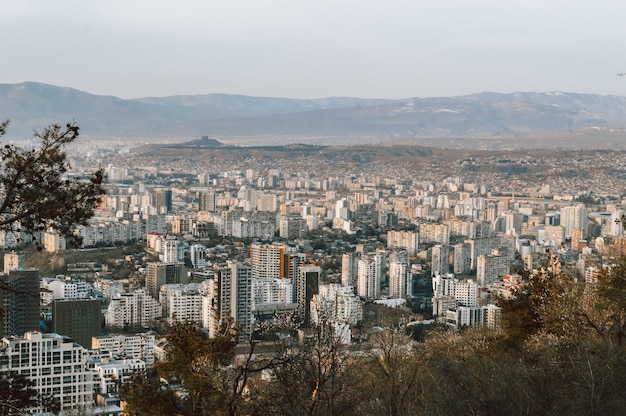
{"x": 306, "y": 285}
{"x": 182, "y": 303}
{"x": 400, "y": 278}
{"x": 408, "y": 240}
{"x": 197, "y": 254}
{"x": 158, "y": 274}
{"x": 79, "y": 319}
{"x": 349, "y": 269}
{"x": 234, "y": 291}
{"x": 293, "y": 261}
{"x": 369, "y": 275}
{"x": 207, "y": 201}
{"x": 440, "y": 263}
{"x": 163, "y": 200}
{"x": 513, "y": 222}
{"x": 574, "y": 217}
{"x": 267, "y": 261}
{"x": 56, "y": 365}
{"x": 132, "y": 309}
{"x": 271, "y": 291}
{"x": 174, "y": 251}
{"x": 466, "y": 293}
{"x": 435, "y": 233}
{"x": 462, "y": 258}
{"x": 19, "y": 301}
{"x": 336, "y": 304}
{"x": 490, "y": 268}
{"x": 292, "y": 227}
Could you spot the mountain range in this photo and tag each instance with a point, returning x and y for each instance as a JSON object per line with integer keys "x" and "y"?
{"x": 517, "y": 119}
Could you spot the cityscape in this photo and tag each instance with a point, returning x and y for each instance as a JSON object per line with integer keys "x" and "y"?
{"x": 312, "y": 209}
{"x": 246, "y": 244}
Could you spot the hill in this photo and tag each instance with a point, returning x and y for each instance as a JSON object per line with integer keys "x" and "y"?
{"x": 575, "y": 119}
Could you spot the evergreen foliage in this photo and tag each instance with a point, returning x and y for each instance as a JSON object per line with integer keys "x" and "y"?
{"x": 36, "y": 191}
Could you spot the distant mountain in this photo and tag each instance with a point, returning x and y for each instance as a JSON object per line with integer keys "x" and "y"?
{"x": 320, "y": 121}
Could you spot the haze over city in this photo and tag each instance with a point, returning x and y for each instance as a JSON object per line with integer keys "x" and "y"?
{"x": 279, "y": 48}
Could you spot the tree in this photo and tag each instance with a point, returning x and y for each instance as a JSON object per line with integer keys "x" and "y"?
{"x": 190, "y": 358}
{"x": 144, "y": 394}
{"x": 37, "y": 194}
{"x": 313, "y": 377}
{"x": 394, "y": 367}
{"x": 17, "y": 394}
{"x": 36, "y": 191}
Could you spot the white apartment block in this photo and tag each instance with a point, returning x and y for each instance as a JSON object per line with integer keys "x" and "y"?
{"x": 55, "y": 364}
{"x": 110, "y": 288}
{"x": 267, "y": 261}
{"x": 369, "y": 274}
{"x": 110, "y": 372}
{"x": 349, "y": 268}
{"x": 198, "y": 257}
{"x": 336, "y": 304}
{"x": 408, "y": 240}
{"x": 139, "y": 346}
{"x": 181, "y": 302}
{"x": 400, "y": 278}
{"x": 574, "y": 217}
{"x": 435, "y": 233}
{"x": 132, "y": 309}
{"x": 211, "y": 315}
{"x": 62, "y": 289}
{"x": 485, "y": 316}
{"x": 268, "y": 290}
{"x": 490, "y": 268}
{"x": 466, "y": 293}
{"x": 173, "y": 251}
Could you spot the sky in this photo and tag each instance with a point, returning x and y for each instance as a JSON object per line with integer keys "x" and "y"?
{"x": 313, "y": 49}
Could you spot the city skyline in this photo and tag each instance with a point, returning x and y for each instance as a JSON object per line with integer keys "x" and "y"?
{"x": 281, "y": 49}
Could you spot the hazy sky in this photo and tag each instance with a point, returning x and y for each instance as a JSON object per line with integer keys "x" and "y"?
{"x": 316, "y": 48}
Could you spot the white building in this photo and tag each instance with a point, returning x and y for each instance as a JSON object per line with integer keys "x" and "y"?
{"x": 408, "y": 240}
{"x": 198, "y": 256}
{"x": 466, "y": 293}
{"x": 400, "y": 277}
{"x": 55, "y": 364}
{"x": 132, "y": 309}
{"x": 270, "y": 290}
{"x": 369, "y": 275}
{"x": 138, "y": 346}
{"x": 336, "y": 304}
{"x": 63, "y": 289}
{"x": 574, "y": 217}
{"x": 110, "y": 372}
{"x": 181, "y": 302}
